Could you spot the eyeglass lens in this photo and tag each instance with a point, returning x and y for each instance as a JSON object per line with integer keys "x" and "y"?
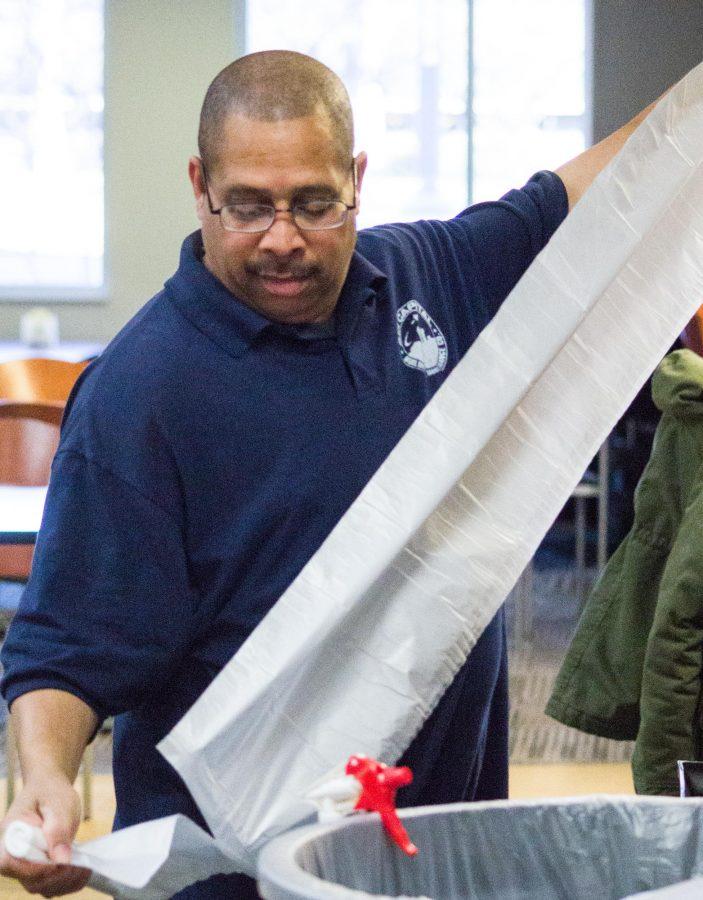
{"x": 312, "y": 216}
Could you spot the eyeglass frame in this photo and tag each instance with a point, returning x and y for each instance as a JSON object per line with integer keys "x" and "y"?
{"x": 276, "y": 209}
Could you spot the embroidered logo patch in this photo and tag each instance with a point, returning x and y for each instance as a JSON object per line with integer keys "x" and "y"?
{"x": 422, "y": 344}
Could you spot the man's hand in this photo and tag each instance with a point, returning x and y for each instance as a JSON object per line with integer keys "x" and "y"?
{"x": 51, "y": 728}
{"x": 50, "y": 803}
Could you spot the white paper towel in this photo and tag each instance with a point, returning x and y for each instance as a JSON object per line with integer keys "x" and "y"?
{"x": 146, "y": 861}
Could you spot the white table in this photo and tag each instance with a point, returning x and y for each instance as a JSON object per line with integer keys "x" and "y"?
{"x": 21, "y": 510}
{"x": 76, "y": 351}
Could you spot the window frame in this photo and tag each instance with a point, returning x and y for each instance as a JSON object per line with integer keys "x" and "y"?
{"x": 69, "y": 294}
{"x": 241, "y": 46}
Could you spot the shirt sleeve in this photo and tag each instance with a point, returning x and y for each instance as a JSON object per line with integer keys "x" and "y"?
{"x": 504, "y": 236}
{"x": 108, "y": 609}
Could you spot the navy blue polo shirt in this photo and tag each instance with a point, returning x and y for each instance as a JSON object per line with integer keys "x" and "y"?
{"x": 208, "y": 452}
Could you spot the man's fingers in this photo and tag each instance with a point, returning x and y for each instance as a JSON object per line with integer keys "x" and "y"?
{"x": 48, "y": 879}
{"x": 17, "y": 866}
{"x": 22, "y": 869}
{"x": 60, "y": 823}
{"x": 58, "y": 880}
{"x": 61, "y": 853}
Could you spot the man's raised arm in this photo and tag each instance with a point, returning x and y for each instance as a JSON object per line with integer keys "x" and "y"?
{"x": 52, "y": 729}
{"x": 579, "y": 172}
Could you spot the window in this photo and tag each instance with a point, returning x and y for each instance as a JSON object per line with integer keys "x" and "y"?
{"x": 405, "y": 66}
{"x": 529, "y": 90}
{"x": 416, "y": 69}
{"x": 51, "y": 134}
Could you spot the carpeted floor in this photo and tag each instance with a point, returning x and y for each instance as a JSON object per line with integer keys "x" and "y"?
{"x": 543, "y": 612}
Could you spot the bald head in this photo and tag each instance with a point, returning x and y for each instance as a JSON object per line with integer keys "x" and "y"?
{"x": 271, "y": 86}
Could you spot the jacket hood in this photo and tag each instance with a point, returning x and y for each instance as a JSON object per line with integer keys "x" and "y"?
{"x": 677, "y": 384}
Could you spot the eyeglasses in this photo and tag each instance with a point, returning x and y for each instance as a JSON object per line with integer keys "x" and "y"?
{"x": 308, "y": 215}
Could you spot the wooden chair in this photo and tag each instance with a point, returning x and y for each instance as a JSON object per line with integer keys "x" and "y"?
{"x": 38, "y": 380}
{"x": 29, "y": 436}
{"x": 33, "y": 394}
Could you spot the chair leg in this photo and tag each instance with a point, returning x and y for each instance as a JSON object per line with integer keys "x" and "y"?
{"x": 10, "y": 762}
{"x": 87, "y": 780}
{"x": 580, "y": 529}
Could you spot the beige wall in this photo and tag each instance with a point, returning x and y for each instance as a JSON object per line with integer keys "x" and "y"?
{"x": 640, "y": 47}
{"x": 160, "y": 55}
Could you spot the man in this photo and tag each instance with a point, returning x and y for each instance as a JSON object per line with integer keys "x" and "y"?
{"x": 215, "y": 443}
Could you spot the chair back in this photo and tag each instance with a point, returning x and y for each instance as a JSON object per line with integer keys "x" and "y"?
{"x": 38, "y": 380}
{"x": 29, "y": 436}
{"x": 33, "y": 394}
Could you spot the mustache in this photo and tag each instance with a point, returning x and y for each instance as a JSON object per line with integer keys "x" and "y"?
{"x": 288, "y": 270}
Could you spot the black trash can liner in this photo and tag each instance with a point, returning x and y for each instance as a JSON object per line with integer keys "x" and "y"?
{"x": 595, "y": 848}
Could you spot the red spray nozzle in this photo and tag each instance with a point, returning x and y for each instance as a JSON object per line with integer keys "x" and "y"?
{"x": 379, "y": 784}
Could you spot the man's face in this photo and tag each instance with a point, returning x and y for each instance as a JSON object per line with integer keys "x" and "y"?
{"x": 286, "y": 274}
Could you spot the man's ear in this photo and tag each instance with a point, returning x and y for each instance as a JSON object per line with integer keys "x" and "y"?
{"x": 195, "y": 173}
{"x": 360, "y": 161}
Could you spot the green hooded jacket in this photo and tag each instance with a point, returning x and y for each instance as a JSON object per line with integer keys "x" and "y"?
{"x": 633, "y": 671}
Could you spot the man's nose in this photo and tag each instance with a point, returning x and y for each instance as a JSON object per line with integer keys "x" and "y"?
{"x": 284, "y": 236}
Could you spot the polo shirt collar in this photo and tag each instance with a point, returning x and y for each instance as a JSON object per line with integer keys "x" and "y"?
{"x": 232, "y": 325}
{"x": 363, "y": 282}
{"x": 207, "y": 303}
{"x": 362, "y": 276}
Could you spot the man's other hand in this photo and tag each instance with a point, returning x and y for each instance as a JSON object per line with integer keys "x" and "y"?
{"x": 50, "y": 803}
{"x": 51, "y": 728}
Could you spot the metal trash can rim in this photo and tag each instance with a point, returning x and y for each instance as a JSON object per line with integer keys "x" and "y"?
{"x": 281, "y": 876}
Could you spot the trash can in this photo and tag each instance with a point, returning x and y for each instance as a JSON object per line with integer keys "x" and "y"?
{"x": 595, "y": 848}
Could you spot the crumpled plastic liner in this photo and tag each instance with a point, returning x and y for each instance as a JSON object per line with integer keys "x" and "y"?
{"x": 357, "y": 652}
{"x": 598, "y": 847}
{"x": 153, "y": 859}
{"x": 359, "y": 649}
{"x": 691, "y": 889}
